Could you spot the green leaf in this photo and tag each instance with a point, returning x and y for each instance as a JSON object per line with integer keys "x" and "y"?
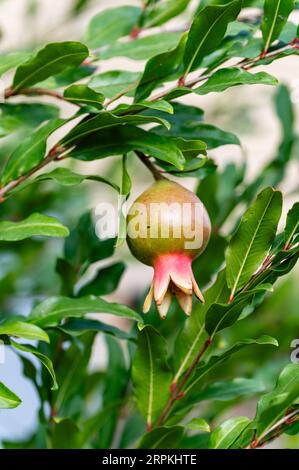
{"x": 229, "y": 77}
{"x": 162, "y": 11}
{"x": 160, "y": 68}
{"x": 34, "y": 225}
{"x": 216, "y": 360}
{"x": 211, "y": 135}
{"x": 21, "y": 117}
{"x": 22, "y": 329}
{"x": 29, "y": 153}
{"x": 66, "y": 177}
{"x": 207, "y": 31}
{"x": 116, "y": 382}
{"x": 51, "y": 60}
{"x": 150, "y": 374}
{"x": 198, "y": 424}
{"x": 85, "y": 246}
{"x": 111, "y": 24}
{"x": 166, "y": 437}
{"x": 77, "y": 327}
{"x": 221, "y": 315}
{"x": 12, "y": 60}
{"x": 114, "y": 81}
{"x": 52, "y": 311}
{"x": 104, "y": 282}
{"x": 65, "y": 434}
{"x": 193, "y": 335}
{"x": 224, "y": 436}
{"x": 161, "y": 106}
{"x": 126, "y": 185}
{"x": 105, "y": 120}
{"x": 123, "y": 139}
{"x": 142, "y": 48}
{"x": 8, "y": 399}
{"x": 285, "y": 111}
{"x": 69, "y": 76}
{"x": 276, "y": 13}
{"x": 253, "y": 238}
{"x": 292, "y": 224}
{"x": 273, "y": 406}
{"x": 82, "y": 94}
{"x": 228, "y": 390}
{"x": 27, "y": 348}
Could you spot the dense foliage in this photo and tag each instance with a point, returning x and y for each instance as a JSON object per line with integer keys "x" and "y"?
{"x": 176, "y": 379}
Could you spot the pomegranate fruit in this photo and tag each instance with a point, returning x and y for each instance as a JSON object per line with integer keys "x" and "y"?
{"x": 168, "y": 226}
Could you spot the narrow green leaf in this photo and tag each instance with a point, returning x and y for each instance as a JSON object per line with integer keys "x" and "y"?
{"x": 222, "y": 315}
{"x": 34, "y": 225}
{"x": 82, "y": 94}
{"x": 213, "y": 136}
{"x": 8, "y": 399}
{"x": 105, "y": 120}
{"x": 292, "y": 224}
{"x": 79, "y": 326}
{"x": 160, "y": 68}
{"x": 22, "y": 329}
{"x": 229, "y": 77}
{"x": 67, "y": 177}
{"x": 85, "y": 245}
{"x": 27, "y": 348}
{"x": 16, "y": 117}
{"x": 162, "y": 11}
{"x": 150, "y": 374}
{"x": 123, "y": 139}
{"x": 207, "y": 31}
{"x": 166, "y": 437}
{"x": 273, "y": 406}
{"x": 160, "y": 105}
{"x": 125, "y": 189}
{"x": 111, "y": 24}
{"x": 65, "y": 434}
{"x": 142, "y": 48}
{"x": 276, "y": 13}
{"x": 198, "y": 424}
{"x": 29, "y": 153}
{"x": 228, "y": 390}
{"x": 114, "y": 81}
{"x": 104, "y": 282}
{"x": 12, "y": 60}
{"x": 193, "y": 335}
{"x": 253, "y": 238}
{"x": 51, "y": 60}
{"x": 216, "y": 360}
{"x": 224, "y": 436}
{"x": 52, "y": 311}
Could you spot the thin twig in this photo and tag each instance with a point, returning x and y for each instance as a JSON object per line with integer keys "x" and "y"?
{"x": 243, "y": 64}
{"x": 9, "y": 92}
{"x": 288, "y": 419}
{"x": 53, "y": 155}
{"x": 146, "y": 161}
{"x": 41, "y": 91}
{"x": 177, "y": 389}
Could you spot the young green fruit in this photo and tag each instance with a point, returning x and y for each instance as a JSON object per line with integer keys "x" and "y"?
{"x": 168, "y": 226}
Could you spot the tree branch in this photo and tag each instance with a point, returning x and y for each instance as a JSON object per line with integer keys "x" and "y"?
{"x": 177, "y": 389}
{"x": 244, "y": 64}
{"x": 268, "y": 436}
{"x": 146, "y": 161}
{"x": 34, "y": 92}
{"x": 53, "y": 155}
